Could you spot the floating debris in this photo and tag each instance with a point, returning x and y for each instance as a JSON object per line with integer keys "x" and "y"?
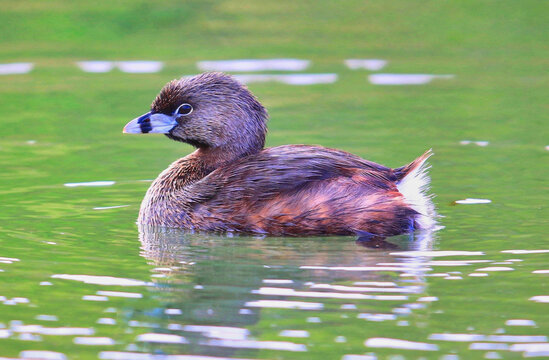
{"x": 90, "y": 183}
{"x": 399, "y": 344}
{"x": 16, "y": 68}
{"x": 368, "y": 64}
{"x": 405, "y": 79}
{"x": 540, "y": 272}
{"x": 293, "y": 79}
{"x": 471, "y": 201}
{"x": 254, "y": 65}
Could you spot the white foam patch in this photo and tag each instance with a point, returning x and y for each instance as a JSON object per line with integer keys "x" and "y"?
{"x": 46, "y": 317}
{"x": 294, "y": 333}
{"x": 282, "y": 304}
{"x": 16, "y": 68}
{"x": 93, "y": 341}
{"x": 42, "y": 355}
{"x": 525, "y": 251}
{"x": 496, "y": 268}
{"x": 254, "y": 344}
{"x": 399, "y": 344}
{"x": 457, "y": 337}
{"x": 254, "y": 65}
{"x": 540, "y": 272}
{"x": 91, "y": 183}
{"x": 540, "y": 298}
{"x": 162, "y": 338}
{"x": 520, "y": 322}
{"x": 368, "y": 64}
{"x": 293, "y": 79}
{"x": 473, "y": 201}
{"x": 102, "y": 280}
{"x": 96, "y": 66}
{"x": 120, "y": 294}
{"x": 415, "y": 186}
{"x": 405, "y": 79}
{"x": 437, "y": 253}
{"x": 140, "y": 66}
{"x": 219, "y": 332}
{"x": 110, "y": 207}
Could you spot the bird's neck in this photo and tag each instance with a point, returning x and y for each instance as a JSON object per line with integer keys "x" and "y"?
{"x": 195, "y": 166}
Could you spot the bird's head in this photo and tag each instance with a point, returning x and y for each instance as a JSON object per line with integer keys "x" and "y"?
{"x": 208, "y": 111}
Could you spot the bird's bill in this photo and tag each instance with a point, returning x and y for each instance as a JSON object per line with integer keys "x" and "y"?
{"x": 150, "y": 124}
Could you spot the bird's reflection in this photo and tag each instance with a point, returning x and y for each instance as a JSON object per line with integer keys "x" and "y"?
{"x": 213, "y": 279}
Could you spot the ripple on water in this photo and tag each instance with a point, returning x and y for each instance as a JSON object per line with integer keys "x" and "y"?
{"x": 90, "y": 183}
{"x": 42, "y": 355}
{"x": 399, "y": 344}
{"x": 284, "y": 304}
{"x": 102, "y": 280}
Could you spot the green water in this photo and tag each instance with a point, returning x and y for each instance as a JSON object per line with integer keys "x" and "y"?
{"x": 61, "y": 125}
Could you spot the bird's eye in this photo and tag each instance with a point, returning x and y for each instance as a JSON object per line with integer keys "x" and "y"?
{"x": 184, "y": 109}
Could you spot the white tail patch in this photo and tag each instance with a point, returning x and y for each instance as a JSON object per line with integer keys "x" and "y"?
{"x": 415, "y": 187}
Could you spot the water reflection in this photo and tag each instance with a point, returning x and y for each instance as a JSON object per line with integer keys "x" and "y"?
{"x": 220, "y": 287}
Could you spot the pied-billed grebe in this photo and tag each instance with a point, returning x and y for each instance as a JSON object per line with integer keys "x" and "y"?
{"x": 231, "y": 183}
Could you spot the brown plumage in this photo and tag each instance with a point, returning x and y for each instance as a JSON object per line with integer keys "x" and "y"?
{"x": 231, "y": 183}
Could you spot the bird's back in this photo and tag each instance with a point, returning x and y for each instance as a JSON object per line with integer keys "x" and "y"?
{"x": 299, "y": 190}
